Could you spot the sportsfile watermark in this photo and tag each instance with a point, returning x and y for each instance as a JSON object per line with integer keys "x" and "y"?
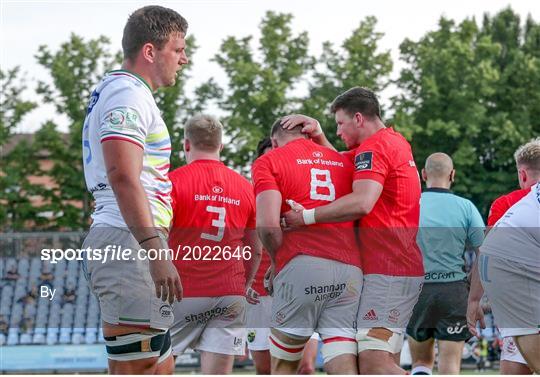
{"x": 120, "y": 253}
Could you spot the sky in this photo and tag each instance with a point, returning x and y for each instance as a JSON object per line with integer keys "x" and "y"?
{"x": 25, "y": 25}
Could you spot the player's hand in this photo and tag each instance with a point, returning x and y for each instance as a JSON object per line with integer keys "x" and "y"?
{"x": 252, "y": 296}
{"x": 293, "y": 218}
{"x": 166, "y": 280}
{"x": 475, "y": 313}
{"x": 310, "y": 126}
{"x": 269, "y": 280}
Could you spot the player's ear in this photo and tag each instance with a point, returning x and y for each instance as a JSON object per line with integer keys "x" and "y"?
{"x": 274, "y": 143}
{"x": 359, "y": 118}
{"x": 220, "y": 148}
{"x": 187, "y": 145}
{"x": 424, "y": 175}
{"x": 452, "y": 175}
{"x": 149, "y": 52}
{"x": 522, "y": 176}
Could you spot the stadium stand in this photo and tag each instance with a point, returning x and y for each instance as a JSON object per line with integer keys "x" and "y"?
{"x": 28, "y": 318}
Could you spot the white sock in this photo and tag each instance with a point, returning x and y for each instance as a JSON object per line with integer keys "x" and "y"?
{"x": 421, "y": 370}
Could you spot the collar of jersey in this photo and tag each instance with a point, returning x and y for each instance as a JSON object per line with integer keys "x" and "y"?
{"x": 131, "y": 74}
{"x": 206, "y": 161}
{"x": 438, "y": 189}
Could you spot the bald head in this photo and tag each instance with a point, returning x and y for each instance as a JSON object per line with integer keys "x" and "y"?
{"x": 439, "y": 165}
{"x": 439, "y": 170}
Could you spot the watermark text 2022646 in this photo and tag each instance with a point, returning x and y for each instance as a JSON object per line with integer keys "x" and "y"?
{"x": 117, "y": 252}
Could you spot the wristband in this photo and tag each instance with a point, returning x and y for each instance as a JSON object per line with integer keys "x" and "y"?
{"x": 309, "y": 216}
{"x": 148, "y": 239}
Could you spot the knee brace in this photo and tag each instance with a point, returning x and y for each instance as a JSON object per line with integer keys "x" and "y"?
{"x": 379, "y": 339}
{"x": 337, "y": 346}
{"x": 281, "y": 350}
{"x": 137, "y": 346}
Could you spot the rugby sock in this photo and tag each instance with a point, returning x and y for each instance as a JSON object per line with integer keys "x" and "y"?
{"x": 420, "y": 370}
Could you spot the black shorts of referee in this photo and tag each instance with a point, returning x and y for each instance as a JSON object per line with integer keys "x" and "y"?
{"x": 440, "y": 313}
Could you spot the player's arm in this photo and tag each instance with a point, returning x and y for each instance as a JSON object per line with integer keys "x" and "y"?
{"x": 310, "y": 127}
{"x": 476, "y": 291}
{"x": 268, "y": 226}
{"x": 124, "y": 163}
{"x": 251, "y": 265}
{"x": 350, "y": 207}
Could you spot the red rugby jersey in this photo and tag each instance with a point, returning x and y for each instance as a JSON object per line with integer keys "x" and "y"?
{"x": 503, "y": 204}
{"x": 312, "y": 176}
{"x": 212, "y": 207}
{"x": 388, "y": 233}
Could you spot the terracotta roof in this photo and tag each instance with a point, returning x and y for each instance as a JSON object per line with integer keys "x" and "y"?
{"x": 16, "y": 139}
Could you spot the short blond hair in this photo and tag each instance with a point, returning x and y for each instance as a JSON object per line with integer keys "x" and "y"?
{"x": 204, "y": 132}
{"x": 528, "y": 155}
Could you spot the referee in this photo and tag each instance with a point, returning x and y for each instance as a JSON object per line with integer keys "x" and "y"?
{"x": 448, "y": 223}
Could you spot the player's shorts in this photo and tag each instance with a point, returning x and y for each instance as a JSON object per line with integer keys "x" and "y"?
{"x": 316, "y": 294}
{"x": 387, "y": 302}
{"x": 124, "y": 288}
{"x": 510, "y": 352}
{"x": 440, "y": 313}
{"x": 258, "y": 322}
{"x": 211, "y": 324}
{"x": 513, "y": 290}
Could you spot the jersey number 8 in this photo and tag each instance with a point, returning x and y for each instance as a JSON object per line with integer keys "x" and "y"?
{"x": 325, "y": 183}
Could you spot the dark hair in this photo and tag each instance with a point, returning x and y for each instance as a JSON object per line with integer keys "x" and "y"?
{"x": 262, "y": 146}
{"x": 357, "y": 100}
{"x": 151, "y": 24}
{"x": 278, "y": 129}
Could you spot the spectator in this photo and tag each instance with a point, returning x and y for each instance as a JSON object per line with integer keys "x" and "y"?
{"x": 69, "y": 296}
{"x": 3, "y": 325}
{"x": 12, "y": 274}
{"x": 46, "y": 277}
{"x": 30, "y": 297}
{"x": 26, "y": 325}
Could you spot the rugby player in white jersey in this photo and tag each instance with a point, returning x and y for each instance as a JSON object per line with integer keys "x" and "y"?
{"x": 126, "y": 154}
{"x": 509, "y": 268}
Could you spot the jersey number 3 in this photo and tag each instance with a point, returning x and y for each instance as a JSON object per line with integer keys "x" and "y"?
{"x": 321, "y": 187}
{"x": 219, "y": 223}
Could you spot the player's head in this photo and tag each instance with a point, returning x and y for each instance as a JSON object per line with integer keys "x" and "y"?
{"x": 439, "y": 170}
{"x": 281, "y": 136}
{"x": 264, "y": 146}
{"x": 353, "y": 110}
{"x": 527, "y": 159}
{"x": 154, "y": 38}
{"x": 202, "y": 137}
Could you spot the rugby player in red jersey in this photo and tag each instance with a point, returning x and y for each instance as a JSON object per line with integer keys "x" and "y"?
{"x": 258, "y": 314}
{"x": 527, "y": 159}
{"x": 215, "y": 247}
{"x": 386, "y": 198}
{"x": 318, "y": 277}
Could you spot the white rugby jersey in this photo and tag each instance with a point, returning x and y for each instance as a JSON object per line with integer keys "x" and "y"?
{"x": 516, "y": 236}
{"x": 122, "y": 107}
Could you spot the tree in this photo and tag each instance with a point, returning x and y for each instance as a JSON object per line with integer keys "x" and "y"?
{"x": 357, "y": 63}
{"x": 177, "y": 107}
{"x": 473, "y": 93}
{"x": 74, "y": 69}
{"x": 18, "y": 164}
{"x": 12, "y": 107}
{"x": 259, "y": 90}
